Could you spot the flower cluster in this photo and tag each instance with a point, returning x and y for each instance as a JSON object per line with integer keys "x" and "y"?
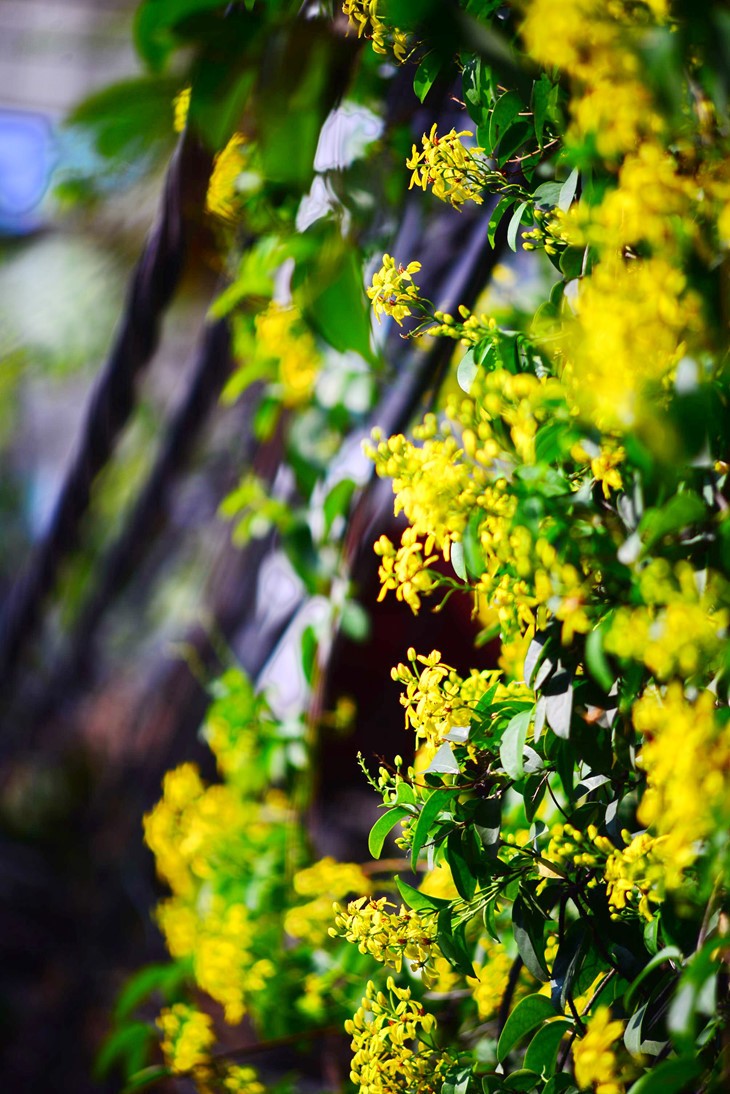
{"x": 491, "y": 980}
{"x": 634, "y": 874}
{"x": 686, "y": 757}
{"x": 392, "y": 1043}
{"x": 283, "y": 338}
{"x": 388, "y": 936}
{"x": 324, "y": 882}
{"x": 187, "y": 1037}
{"x": 222, "y": 197}
{"x": 438, "y": 700}
{"x": 452, "y": 170}
{"x": 366, "y": 16}
{"x": 594, "y": 1055}
{"x": 393, "y": 291}
{"x": 610, "y": 101}
{"x": 193, "y": 831}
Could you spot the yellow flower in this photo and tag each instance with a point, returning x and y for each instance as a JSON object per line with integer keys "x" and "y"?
{"x": 181, "y": 106}
{"x": 449, "y": 167}
{"x": 391, "y": 1053}
{"x": 187, "y": 1037}
{"x": 605, "y": 468}
{"x": 365, "y": 16}
{"x": 326, "y": 881}
{"x": 393, "y": 291}
{"x": 283, "y": 337}
{"x": 242, "y": 1080}
{"x": 594, "y": 1057}
{"x": 221, "y": 198}
{"x": 635, "y": 874}
{"x": 491, "y": 979}
{"x": 387, "y": 936}
{"x": 686, "y": 757}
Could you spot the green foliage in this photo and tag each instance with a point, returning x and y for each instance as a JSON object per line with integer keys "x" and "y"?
{"x": 568, "y": 808}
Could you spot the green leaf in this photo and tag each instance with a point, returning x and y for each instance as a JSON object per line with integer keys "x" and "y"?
{"x": 668, "y": 1077}
{"x": 572, "y": 262}
{"x": 337, "y": 502}
{"x": 541, "y": 104}
{"x": 487, "y": 822}
{"x": 418, "y": 901}
{"x": 669, "y": 953}
{"x": 542, "y": 1052}
{"x": 506, "y": 109}
{"x": 567, "y": 190}
{"x": 310, "y": 644}
{"x": 145, "y": 1078}
{"x": 535, "y": 652}
{"x": 529, "y": 1013}
{"x": 596, "y": 659}
{"x": 558, "y": 692}
{"x": 426, "y": 74}
{"x": 337, "y": 309}
{"x": 156, "y": 22}
{"x": 296, "y": 89}
{"x": 160, "y": 977}
{"x": 513, "y": 139}
{"x": 130, "y": 1043}
{"x": 695, "y": 996}
{"x": 473, "y": 554}
{"x": 383, "y": 826}
{"x": 535, "y": 788}
{"x": 466, "y": 371}
{"x": 632, "y": 1033}
{"x": 513, "y": 743}
{"x": 495, "y": 219}
{"x": 678, "y": 513}
{"x": 457, "y": 560}
{"x": 452, "y": 943}
{"x": 528, "y": 925}
{"x": 514, "y": 225}
{"x": 127, "y": 119}
{"x": 464, "y": 879}
{"x": 355, "y": 621}
{"x": 439, "y": 800}
{"x": 522, "y": 1079}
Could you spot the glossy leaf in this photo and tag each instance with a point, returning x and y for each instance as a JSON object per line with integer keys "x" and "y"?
{"x": 383, "y": 826}
{"x": 542, "y": 1051}
{"x": 529, "y": 1013}
{"x": 513, "y": 744}
{"x": 426, "y": 73}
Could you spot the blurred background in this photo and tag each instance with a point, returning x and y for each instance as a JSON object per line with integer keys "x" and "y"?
{"x": 84, "y": 744}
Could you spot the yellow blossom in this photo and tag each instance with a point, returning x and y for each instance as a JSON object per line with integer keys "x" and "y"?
{"x": 635, "y": 874}
{"x": 181, "y": 106}
{"x": 187, "y": 1037}
{"x": 628, "y": 334}
{"x": 605, "y": 468}
{"x": 242, "y": 1080}
{"x": 686, "y": 757}
{"x": 283, "y": 337}
{"x": 365, "y": 15}
{"x": 325, "y": 882}
{"x": 392, "y": 290}
{"x": 491, "y": 979}
{"x": 387, "y": 936}
{"x": 391, "y": 1045}
{"x": 449, "y": 167}
{"x": 221, "y": 198}
{"x": 594, "y": 1055}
